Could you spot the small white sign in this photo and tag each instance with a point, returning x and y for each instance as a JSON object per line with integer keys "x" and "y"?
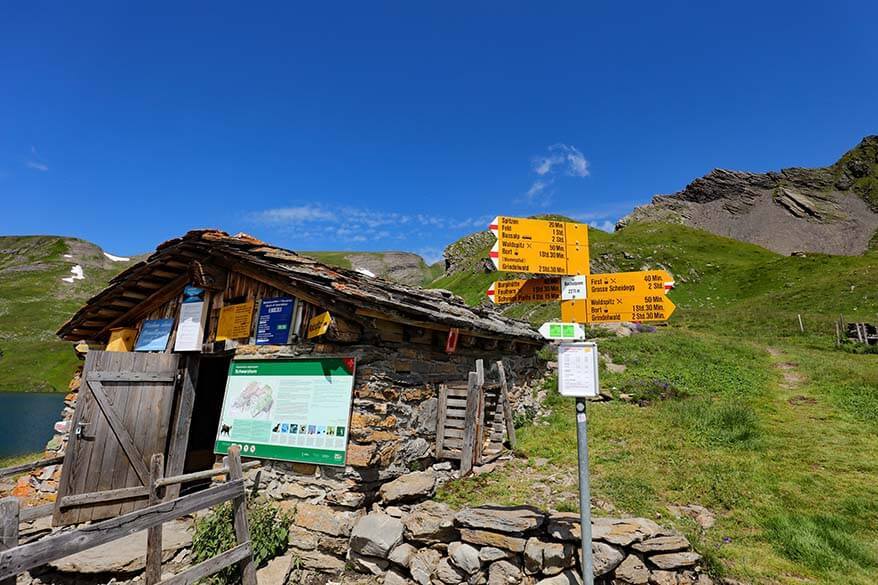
{"x": 578, "y": 369}
{"x": 573, "y": 288}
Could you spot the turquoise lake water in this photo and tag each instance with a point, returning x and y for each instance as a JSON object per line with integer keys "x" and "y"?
{"x": 26, "y": 420}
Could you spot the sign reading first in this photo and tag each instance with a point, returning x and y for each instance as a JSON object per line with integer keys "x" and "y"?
{"x": 538, "y": 246}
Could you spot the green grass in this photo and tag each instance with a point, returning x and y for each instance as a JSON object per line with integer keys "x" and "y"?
{"x": 34, "y": 302}
{"x": 731, "y": 407}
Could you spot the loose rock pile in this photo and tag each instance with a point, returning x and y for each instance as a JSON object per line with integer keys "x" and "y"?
{"x": 431, "y": 544}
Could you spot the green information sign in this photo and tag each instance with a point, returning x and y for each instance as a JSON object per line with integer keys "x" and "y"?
{"x": 291, "y": 410}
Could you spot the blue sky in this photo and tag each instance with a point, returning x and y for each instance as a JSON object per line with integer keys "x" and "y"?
{"x": 376, "y": 126}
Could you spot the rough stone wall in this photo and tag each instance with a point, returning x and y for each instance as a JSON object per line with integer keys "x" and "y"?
{"x": 394, "y": 413}
{"x": 431, "y": 544}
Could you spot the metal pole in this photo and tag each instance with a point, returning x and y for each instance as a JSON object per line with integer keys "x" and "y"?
{"x": 584, "y": 493}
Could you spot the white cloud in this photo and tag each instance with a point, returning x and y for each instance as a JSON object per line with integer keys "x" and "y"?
{"x": 561, "y": 158}
{"x": 606, "y": 225}
{"x": 37, "y": 166}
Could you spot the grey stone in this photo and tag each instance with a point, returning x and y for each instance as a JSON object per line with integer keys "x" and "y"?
{"x": 302, "y": 539}
{"x": 408, "y": 487}
{"x": 514, "y": 520}
{"x": 448, "y": 573}
{"x": 662, "y": 544}
{"x": 605, "y": 558}
{"x": 317, "y": 561}
{"x": 402, "y": 554}
{"x": 489, "y": 554}
{"x": 464, "y": 557}
{"x": 367, "y": 564}
{"x": 423, "y": 565}
{"x": 624, "y": 531}
{"x": 633, "y": 571}
{"x": 663, "y": 578}
{"x": 565, "y": 578}
{"x": 495, "y": 539}
{"x": 430, "y": 522}
{"x": 394, "y": 577}
{"x": 346, "y": 498}
{"x": 676, "y": 560}
{"x": 549, "y": 558}
{"x": 376, "y": 534}
{"x": 442, "y": 466}
{"x": 704, "y": 517}
{"x": 276, "y": 571}
{"x": 324, "y": 519}
{"x": 564, "y": 526}
{"x": 126, "y": 555}
{"x": 503, "y": 573}
{"x": 426, "y": 416}
{"x": 414, "y": 450}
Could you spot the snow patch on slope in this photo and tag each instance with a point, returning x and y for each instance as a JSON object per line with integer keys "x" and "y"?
{"x": 75, "y": 274}
{"x": 366, "y": 272}
{"x": 116, "y": 258}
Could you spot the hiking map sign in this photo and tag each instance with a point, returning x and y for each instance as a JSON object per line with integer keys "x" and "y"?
{"x": 289, "y": 410}
{"x": 629, "y": 296}
{"x": 539, "y": 247}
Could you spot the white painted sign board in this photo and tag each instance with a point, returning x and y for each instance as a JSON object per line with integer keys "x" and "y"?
{"x": 578, "y": 369}
{"x": 573, "y": 288}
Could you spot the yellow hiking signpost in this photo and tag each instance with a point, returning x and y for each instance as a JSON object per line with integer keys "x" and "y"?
{"x": 537, "y": 246}
{"x": 558, "y": 248}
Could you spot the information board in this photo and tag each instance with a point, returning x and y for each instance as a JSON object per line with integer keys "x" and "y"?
{"x": 154, "y": 335}
{"x": 290, "y": 410}
{"x": 234, "y": 321}
{"x": 273, "y": 324}
{"x": 578, "y": 369}
{"x": 190, "y": 329}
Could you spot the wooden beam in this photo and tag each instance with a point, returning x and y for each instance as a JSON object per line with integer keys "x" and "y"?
{"x": 62, "y": 544}
{"x": 104, "y": 496}
{"x": 507, "y": 406}
{"x": 16, "y": 469}
{"x": 210, "y": 566}
{"x": 158, "y": 298}
{"x": 9, "y": 520}
{"x": 154, "y": 534}
{"x": 470, "y": 431}
{"x": 168, "y": 376}
{"x": 239, "y": 512}
{"x": 180, "y": 431}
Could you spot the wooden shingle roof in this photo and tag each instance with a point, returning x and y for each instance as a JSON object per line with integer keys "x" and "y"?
{"x": 159, "y": 278}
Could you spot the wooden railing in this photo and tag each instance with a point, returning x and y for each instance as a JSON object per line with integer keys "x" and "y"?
{"x": 16, "y": 559}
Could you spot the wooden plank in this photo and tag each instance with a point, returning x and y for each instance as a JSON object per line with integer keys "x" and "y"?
{"x": 210, "y": 566}
{"x": 457, "y": 392}
{"x": 168, "y": 376}
{"x": 507, "y": 406}
{"x": 182, "y": 420}
{"x": 441, "y": 420}
{"x": 454, "y": 433}
{"x": 154, "y": 534}
{"x": 62, "y": 544}
{"x": 456, "y": 403}
{"x": 106, "y": 450}
{"x": 453, "y": 443}
{"x": 480, "y": 370}
{"x": 16, "y": 469}
{"x": 120, "y": 468}
{"x": 239, "y": 512}
{"x": 35, "y": 512}
{"x": 148, "y": 302}
{"x": 135, "y": 457}
{"x": 454, "y": 423}
{"x": 74, "y": 472}
{"x": 207, "y": 473}
{"x": 468, "y": 455}
{"x": 104, "y": 496}
{"x": 9, "y": 520}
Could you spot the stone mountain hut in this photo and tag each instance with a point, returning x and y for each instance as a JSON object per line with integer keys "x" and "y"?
{"x": 165, "y": 335}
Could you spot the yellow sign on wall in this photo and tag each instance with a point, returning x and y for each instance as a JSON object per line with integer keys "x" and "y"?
{"x": 539, "y": 247}
{"x": 122, "y": 339}
{"x": 319, "y": 325}
{"x": 235, "y": 321}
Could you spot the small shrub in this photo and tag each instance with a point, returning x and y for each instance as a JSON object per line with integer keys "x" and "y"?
{"x": 215, "y": 533}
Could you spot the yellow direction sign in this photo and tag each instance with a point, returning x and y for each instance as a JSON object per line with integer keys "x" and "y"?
{"x": 319, "y": 325}
{"x": 533, "y": 290}
{"x": 629, "y": 296}
{"x": 537, "y": 246}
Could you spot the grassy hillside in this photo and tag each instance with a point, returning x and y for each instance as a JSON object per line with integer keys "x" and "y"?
{"x": 34, "y": 301}
{"x": 729, "y": 407}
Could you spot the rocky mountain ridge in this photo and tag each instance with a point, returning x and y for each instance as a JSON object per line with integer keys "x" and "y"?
{"x": 830, "y": 210}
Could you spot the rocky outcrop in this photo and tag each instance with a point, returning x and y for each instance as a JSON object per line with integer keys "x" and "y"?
{"x": 832, "y": 210}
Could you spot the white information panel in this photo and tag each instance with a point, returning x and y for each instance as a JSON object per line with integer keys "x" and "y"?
{"x": 578, "y": 369}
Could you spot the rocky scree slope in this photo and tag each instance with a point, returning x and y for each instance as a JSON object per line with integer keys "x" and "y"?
{"x": 830, "y": 210}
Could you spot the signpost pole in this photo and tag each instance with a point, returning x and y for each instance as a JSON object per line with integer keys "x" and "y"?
{"x": 584, "y": 492}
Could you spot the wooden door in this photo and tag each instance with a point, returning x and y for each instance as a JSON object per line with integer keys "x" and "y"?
{"x": 123, "y": 416}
